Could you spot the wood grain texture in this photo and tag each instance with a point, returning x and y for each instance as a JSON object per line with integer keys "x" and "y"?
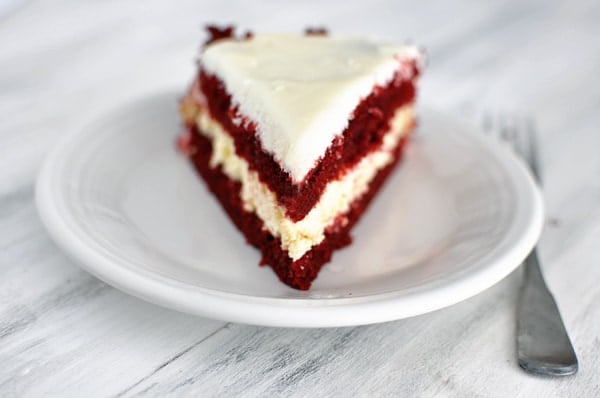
{"x": 64, "y": 333}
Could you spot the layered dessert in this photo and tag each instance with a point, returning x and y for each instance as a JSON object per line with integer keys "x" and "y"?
{"x": 295, "y": 134}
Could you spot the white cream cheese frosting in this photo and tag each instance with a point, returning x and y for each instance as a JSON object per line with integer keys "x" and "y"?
{"x": 301, "y": 90}
{"x": 300, "y": 236}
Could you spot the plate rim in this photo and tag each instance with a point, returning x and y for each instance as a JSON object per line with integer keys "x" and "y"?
{"x": 274, "y": 311}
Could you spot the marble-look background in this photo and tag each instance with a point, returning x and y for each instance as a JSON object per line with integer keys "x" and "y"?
{"x": 64, "y": 333}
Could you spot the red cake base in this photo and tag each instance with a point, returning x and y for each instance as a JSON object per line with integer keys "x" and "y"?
{"x": 298, "y": 274}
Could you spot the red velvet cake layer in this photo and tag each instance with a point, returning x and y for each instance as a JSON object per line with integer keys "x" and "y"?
{"x": 364, "y": 133}
{"x": 300, "y": 273}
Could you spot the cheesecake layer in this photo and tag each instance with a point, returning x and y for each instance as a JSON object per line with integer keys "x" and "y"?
{"x": 299, "y": 273}
{"x": 298, "y": 237}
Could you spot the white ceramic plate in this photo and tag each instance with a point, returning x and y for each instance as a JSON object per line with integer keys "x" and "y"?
{"x": 458, "y": 215}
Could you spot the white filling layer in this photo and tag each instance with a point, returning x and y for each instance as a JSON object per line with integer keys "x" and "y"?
{"x": 301, "y": 90}
{"x": 298, "y": 237}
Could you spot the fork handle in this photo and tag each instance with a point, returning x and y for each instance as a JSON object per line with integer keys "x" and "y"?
{"x": 543, "y": 345}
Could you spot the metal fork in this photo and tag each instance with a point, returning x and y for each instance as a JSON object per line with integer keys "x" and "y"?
{"x": 543, "y": 345}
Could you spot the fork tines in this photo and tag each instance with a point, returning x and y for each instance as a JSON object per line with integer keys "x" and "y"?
{"x": 516, "y": 130}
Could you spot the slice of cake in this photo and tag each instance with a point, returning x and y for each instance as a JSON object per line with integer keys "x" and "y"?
{"x": 294, "y": 135}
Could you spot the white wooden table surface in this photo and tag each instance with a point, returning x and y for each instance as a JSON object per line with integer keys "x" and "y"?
{"x": 65, "y": 333}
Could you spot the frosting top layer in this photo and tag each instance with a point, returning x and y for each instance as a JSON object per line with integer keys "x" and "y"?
{"x": 301, "y": 90}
